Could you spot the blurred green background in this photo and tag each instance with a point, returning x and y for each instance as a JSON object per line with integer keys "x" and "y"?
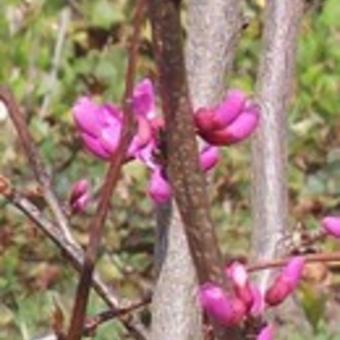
{"x": 48, "y": 70}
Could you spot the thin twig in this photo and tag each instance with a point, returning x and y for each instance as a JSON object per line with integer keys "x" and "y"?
{"x": 94, "y": 322}
{"x": 64, "y": 20}
{"x": 96, "y": 226}
{"x": 310, "y": 258}
{"x": 36, "y": 162}
{"x": 74, "y": 254}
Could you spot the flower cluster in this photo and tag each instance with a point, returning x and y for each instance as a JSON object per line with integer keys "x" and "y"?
{"x": 100, "y": 128}
{"x": 246, "y": 301}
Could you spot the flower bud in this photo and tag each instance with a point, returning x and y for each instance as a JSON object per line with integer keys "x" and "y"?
{"x": 80, "y": 196}
{"x": 159, "y": 187}
{"x": 239, "y": 277}
{"x": 225, "y": 310}
{"x": 286, "y": 282}
{"x": 266, "y": 333}
{"x": 208, "y": 157}
{"x": 331, "y": 225}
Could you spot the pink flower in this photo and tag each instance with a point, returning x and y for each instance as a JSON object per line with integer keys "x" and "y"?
{"x": 266, "y": 333}
{"x": 258, "y": 306}
{"x": 100, "y": 126}
{"x": 230, "y": 122}
{"x": 208, "y": 157}
{"x": 286, "y": 282}
{"x": 331, "y": 225}
{"x": 80, "y": 196}
{"x": 159, "y": 188}
{"x": 225, "y": 310}
{"x": 239, "y": 277}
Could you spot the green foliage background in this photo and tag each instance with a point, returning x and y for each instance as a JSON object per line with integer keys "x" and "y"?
{"x": 34, "y": 280}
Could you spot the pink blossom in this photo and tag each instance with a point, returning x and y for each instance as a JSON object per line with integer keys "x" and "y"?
{"x": 266, "y": 333}
{"x": 225, "y": 310}
{"x": 80, "y": 196}
{"x": 100, "y": 126}
{"x": 159, "y": 188}
{"x": 144, "y": 99}
{"x": 286, "y": 282}
{"x": 258, "y": 305}
{"x": 230, "y": 122}
{"x": 239, "y": 277}
{"x": 208, "y": 157}
{"x": 331, "y": 225}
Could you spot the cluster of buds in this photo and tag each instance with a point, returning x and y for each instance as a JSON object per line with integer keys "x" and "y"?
{"x": 100, "y": 128}
{"x": 246, "y": 301}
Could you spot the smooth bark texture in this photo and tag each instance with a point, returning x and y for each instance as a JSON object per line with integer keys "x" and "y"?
{"x": 269, "y": 147}
{"x": 213, "y": 28}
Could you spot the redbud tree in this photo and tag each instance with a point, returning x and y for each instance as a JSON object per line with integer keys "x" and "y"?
{"x": 174, "y": 124}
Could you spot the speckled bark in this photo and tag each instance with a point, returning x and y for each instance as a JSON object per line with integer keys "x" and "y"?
{"x": 269, "y": 148}
{"x": 175, "y": 281}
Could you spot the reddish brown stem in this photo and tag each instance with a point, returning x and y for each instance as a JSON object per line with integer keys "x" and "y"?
{"x": 94, "y": 322}
{"x": 319, "y": 257}
{"x": 185, "y": 175}
{"x": 96, "y": 226}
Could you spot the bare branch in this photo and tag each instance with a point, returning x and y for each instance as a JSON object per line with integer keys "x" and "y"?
{"x": 269, "y": 150}
{"x": 74, "y": 254}
{"x": 96, "y": 226}
{"x": 36, "y": 162}
{"x": 94, "y": 322}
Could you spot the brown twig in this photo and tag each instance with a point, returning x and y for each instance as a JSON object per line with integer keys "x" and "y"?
{"x": 319, "y": 257}
{"x": 94, "y": 322}
{"x": 74, "y": 254}
{"x": 36, "y": 162}
{"x": 96, "y": 226}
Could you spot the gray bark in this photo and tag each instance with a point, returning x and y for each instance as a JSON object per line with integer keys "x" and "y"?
{"x": 269, "y": 147}
{"x": 213, "y": 29}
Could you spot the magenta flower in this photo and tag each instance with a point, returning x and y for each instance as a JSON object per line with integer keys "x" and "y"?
{"x": 225, "y": 310}
{"x": 266, "y": 333}
{"x": 208, "y": 157}
{"x": 239, "y": 277}
{"x": 159, "y": 188}
{"x": 80, "y": 196}
{"x": 286, "y": 282}
{"x": 230, "y": 122}
{"x": 258, "y": 305}
{"x": 100, "y": 126}
{"x": 331, "y": 225}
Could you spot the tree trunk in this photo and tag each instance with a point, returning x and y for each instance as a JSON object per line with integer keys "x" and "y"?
{"x": 269, "y": 147}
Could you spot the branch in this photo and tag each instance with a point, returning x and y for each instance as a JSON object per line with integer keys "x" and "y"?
{"x": 36, "y": 162}
{"x": 310, "y": 258}
{"x": 94, "y": 322}
{"x": 185, "y": 175}
{"x": 96, "y": 226}
{"x": 269, "y": 149}
{"x": 74, "y": 254}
